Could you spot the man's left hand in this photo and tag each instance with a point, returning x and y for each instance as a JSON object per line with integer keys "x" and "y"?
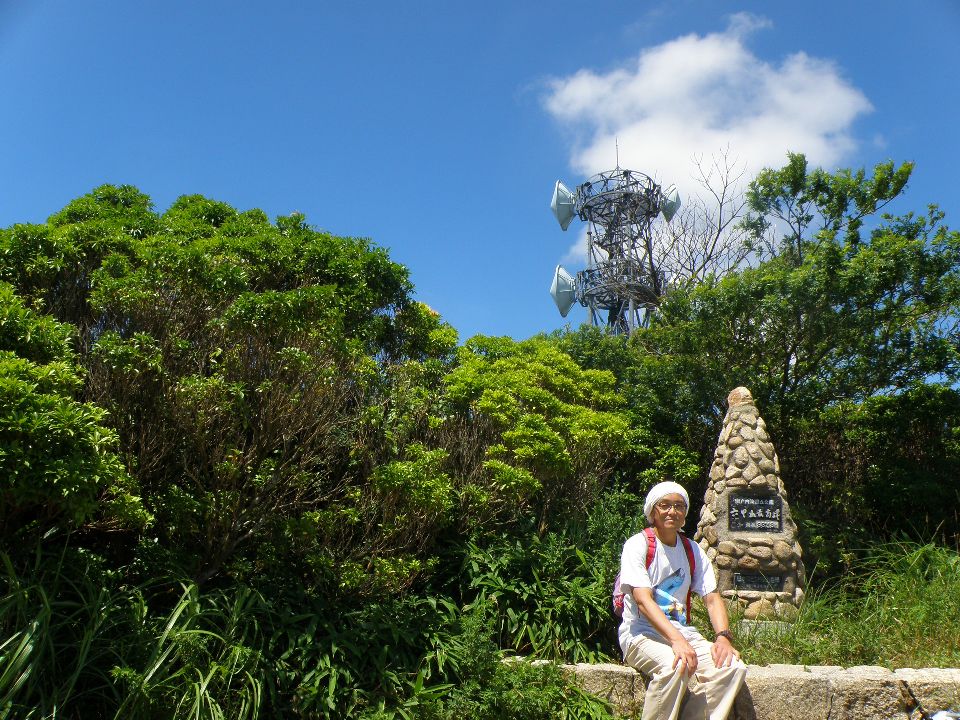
{"x": 723, "y": 652}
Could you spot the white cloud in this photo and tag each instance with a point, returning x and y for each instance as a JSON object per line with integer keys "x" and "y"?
{"x": 697, "y": 95}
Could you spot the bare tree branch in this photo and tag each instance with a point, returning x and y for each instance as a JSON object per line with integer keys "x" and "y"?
{"x": 705, "y": 237}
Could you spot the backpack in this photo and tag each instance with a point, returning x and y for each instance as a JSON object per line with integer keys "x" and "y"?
{"x": 651, "y": 551}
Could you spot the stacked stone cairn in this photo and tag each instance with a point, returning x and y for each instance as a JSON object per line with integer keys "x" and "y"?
{"x": 745, "y": 526}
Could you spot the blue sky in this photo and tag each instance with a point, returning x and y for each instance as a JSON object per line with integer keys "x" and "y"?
{"x": 437, "y": 129}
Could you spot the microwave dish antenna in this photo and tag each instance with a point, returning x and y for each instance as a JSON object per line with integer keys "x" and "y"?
{"x": 622, "y": 281}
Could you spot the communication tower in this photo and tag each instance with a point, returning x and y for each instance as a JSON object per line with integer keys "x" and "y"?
{"x": 622, "y": 280}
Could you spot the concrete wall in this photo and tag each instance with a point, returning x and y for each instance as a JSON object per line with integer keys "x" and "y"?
{"x": 793, "y": 692}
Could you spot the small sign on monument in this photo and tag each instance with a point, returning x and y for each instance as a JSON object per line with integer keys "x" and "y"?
{"x": 756, "y": 581}
{"x": 755, "y": 512}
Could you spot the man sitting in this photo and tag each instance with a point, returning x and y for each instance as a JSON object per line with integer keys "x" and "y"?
{"x": 655, "y": 635}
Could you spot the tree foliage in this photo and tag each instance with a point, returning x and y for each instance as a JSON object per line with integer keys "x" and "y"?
{"x": 794, "y": 209}
{"x": 555, "y": 429}
{"x": 833, "y": 317}
{"x": 842, "y": 315}
{"x": 58, "y": 457}
{"x": 886, "y": 466}
{"x": 234, "y": 356}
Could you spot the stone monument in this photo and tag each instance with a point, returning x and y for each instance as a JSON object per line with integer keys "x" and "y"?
{"x": 745, "y": 526}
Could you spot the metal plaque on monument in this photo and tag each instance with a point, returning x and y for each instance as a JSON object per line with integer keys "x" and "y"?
{"x": 745, "y": 525}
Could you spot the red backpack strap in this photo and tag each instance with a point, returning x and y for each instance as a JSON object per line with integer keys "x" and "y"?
{"x": 651, "y": 545}
{"x": 692, "y": 562}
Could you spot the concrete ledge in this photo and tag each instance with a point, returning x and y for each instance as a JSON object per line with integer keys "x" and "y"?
{"x": 797, "y": 692}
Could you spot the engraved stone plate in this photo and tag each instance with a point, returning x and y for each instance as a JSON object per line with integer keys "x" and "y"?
{"x": 755, "y": 581}
{"x": 755, "y": 512}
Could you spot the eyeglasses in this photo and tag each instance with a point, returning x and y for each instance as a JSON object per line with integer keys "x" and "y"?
{"x": 667, "y": 506}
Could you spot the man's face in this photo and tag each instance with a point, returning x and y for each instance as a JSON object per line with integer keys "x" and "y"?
{"x": 670, "y": 512}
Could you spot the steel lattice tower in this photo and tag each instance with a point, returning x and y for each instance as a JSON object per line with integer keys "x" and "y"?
{"x": 622, "y": 281}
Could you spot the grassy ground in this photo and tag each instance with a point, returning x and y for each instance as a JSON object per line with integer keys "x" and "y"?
{"x": 898, "y": 608}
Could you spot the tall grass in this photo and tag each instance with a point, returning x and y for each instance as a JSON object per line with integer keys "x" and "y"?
{"x": 899, "y": 607}
{"x": 72, "y": 645}
{"x": 53, "y": 662}
{"x": 205, "y": 661}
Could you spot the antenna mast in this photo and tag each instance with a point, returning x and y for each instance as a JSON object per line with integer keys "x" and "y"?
{"x": 622, "y": 281}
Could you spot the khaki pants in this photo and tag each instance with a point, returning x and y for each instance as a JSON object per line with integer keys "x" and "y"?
{"x": 712, "y": 689}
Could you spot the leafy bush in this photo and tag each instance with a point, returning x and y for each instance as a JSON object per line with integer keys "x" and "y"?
{"x": 58, "y": 457}
{"x": 555, "y": 430}
{"x": 235, "y": 360}
{"x": 547, "y": 596}
{"x": 488, "y": 688}
{"x": 855, "y": 471}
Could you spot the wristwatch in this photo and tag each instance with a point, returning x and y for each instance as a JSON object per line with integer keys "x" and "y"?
{"x": 725, "y": 633}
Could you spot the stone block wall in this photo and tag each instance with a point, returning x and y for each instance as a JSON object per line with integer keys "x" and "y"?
{"x": 794, "y": 692}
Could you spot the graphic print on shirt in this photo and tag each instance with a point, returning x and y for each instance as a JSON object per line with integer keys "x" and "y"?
{"x": 663, "y": 593}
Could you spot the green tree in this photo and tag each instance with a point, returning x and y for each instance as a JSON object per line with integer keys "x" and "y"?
{"x": 846, "y": 308}
{"x": 663, "y": 452}
{"x": 235, "y": 357}
{"x": 554, "y": 430}
{"x": 836, "y": 316}
{"x": 840, "y": 310}
{"x": 308, "y": 437}
{"x": 58, "y": 457}
{"x": 811, "y": 206}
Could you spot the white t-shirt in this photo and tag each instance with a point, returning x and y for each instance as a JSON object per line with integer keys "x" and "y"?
{"x": 668, "y": 577}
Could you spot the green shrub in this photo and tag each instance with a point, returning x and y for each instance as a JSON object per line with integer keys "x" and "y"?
{"x": 549, "y": 598}
{"x": 554, "y": 430}
{"x": 489, "y": 688}
{"x": 58, "y": 456}
{"x": 885, "y": 467}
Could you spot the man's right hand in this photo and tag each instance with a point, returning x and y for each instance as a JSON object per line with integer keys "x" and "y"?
{"x": 684, "y": 653}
